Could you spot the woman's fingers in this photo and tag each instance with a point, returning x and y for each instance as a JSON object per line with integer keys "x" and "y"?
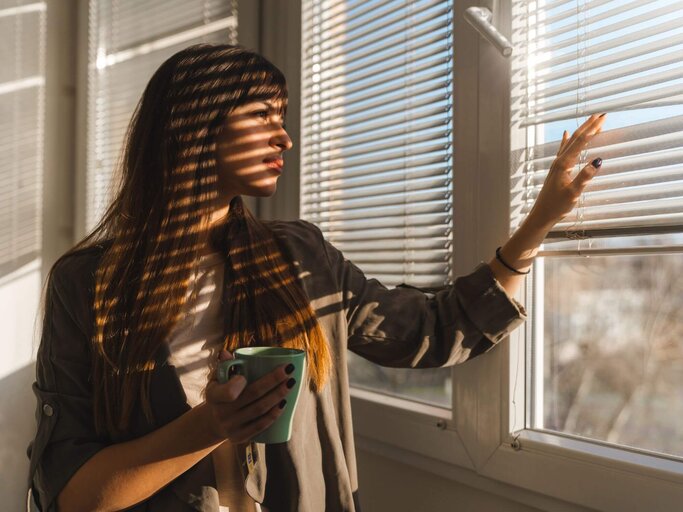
{"x": 582, "y": 136}
{"x": 227, "y": 392}
{"x": 585, "y": 176}
{"x": 255, "y": 411}
{"x": 585, "y": 127}
{"x": 251, "y": 429}
{"x": 225, "y": 355}
{"x": 264, "y": 385}
{"x": 563, "y": 142}
{"x": 240, "y": 422}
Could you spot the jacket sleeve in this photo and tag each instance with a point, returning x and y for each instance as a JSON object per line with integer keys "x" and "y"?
{"x": 410, "y": 327}
{"x": 65, "y": 437}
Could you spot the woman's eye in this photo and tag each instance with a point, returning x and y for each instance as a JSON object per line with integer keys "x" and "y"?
{"x": 263, "y": 114}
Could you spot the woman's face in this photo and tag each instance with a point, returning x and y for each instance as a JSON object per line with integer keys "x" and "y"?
{"x": 249, "y": 150}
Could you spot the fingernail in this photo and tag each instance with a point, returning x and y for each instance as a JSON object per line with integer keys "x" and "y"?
{"x": 283, "y": 403}
{"x": 603, "y": 114}
{"x": 289, "y": 369}
{"x": 290, "y": 383}
{"x": 597, "y": 163}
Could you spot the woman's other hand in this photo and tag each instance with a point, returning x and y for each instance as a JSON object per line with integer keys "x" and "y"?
{"x": 239, "y": 411}
{"x": 560, "y": 192}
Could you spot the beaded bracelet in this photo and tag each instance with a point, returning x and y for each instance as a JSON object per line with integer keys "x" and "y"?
{"x": 499, "y": 258}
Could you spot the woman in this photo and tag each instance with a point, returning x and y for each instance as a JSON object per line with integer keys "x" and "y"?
{"x": 179, "y": 274}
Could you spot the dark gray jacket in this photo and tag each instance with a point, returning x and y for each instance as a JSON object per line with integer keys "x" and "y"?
{"x": 402, "y": 327}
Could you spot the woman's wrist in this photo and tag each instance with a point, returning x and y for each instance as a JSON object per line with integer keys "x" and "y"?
{"x": 519, "y": 253}
{"x": 521, "y": 249}
{"x": 535, "y": 222}
{"x": 205, "y": 425}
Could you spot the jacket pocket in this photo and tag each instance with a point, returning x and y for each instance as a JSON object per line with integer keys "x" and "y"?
{"x": 46, "y": 418}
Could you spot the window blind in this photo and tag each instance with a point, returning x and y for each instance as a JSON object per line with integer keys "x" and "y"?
{"x": 128, "y": 42}
{"x": 22, "y": 107}
{"x": 376, "y": 155}
{"x": 578, "y": 57}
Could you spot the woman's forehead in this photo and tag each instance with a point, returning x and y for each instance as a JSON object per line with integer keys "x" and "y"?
{"x": 274, "y": 104}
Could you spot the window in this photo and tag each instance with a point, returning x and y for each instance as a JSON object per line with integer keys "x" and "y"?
{"x": 499, "y": 435}
{"x": 22, "y": 112}
{"x": 377, "y": 154}
{"x": 128, "y": 42}
{"x": 606, "y": 339}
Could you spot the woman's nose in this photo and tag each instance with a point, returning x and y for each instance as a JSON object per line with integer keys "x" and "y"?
{"x": 281, "y": 139}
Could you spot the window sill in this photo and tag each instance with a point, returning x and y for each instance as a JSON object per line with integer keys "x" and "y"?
{"x": 393, "y": 421}
{"x": 407, "y": 455}
{"x": 587, "y": 473}
{"x": 548, "y": 471}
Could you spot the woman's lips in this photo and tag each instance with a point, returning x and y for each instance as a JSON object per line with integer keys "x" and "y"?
{"x": 277, "y": 164}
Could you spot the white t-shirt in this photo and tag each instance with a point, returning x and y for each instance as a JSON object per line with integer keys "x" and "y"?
{"x": 195, "y": 342}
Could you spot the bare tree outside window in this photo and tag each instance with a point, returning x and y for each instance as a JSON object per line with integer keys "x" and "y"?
{"x": 613, "y": 349}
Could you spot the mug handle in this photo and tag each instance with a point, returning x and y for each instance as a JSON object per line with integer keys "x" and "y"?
{"x": 223, "y": 372}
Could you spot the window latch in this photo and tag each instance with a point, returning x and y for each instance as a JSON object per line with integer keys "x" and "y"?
{"x": 480, "y": 19}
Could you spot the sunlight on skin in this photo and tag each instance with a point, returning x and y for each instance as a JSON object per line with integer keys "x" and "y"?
{"x": 251, "y": 134}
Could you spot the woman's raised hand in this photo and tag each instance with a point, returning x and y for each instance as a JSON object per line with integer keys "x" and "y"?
{"x": 560, "y": 192}
{"x": 238, "y": 411}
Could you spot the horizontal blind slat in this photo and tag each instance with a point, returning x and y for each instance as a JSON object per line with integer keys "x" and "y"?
{"x": 343, "y": 140}
{"x": 348, "y": 152}
{"x": 593, "y": 64}
{"x": 397, "y": 82}
{"x": 371, "y": 68}
{"x": 343, "y": 182}
{"x": 401, "y": 268}
{"x": 621, "y": 8}
{"x": 332, "y": 128}
{"x": 395, "y": 166}
{"x": 434, "y": 255}
{"x": 370, "y": 104}
{"x": 430, "y": 65}
{"x": 629, "y": 102}
{"x": 592, "y": 78}
{"x": 401, "y": 209}
{"x": 607, "y": 29}
{"x": 426, "y": 100}
{"x": 387, "y": 233}
{"x": 380, "y": 41}
{"x": 437, "y": 194}
{"x": 347, "y": 33}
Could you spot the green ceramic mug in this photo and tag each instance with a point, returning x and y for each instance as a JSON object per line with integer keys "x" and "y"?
{"x": 255, "y": 362}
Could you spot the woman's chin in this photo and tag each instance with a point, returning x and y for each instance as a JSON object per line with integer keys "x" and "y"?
{"x": 263, "y": 190}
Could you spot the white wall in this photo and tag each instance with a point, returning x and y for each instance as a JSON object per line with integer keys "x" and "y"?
{"x": 19, "y": 297}
{"x": 390, "y": 486}
{"x": 21, "y": 291}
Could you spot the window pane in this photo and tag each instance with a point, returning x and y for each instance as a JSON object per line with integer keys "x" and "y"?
{"x": 432, "y": 386}
{"x": 605, "y": 326}
{"x": 612, "y": 349}
{"x": 22, "y": 112}
{"x": 376, "y": 152}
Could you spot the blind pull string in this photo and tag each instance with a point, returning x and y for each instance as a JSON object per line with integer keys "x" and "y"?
{"x": 574, "y": 231}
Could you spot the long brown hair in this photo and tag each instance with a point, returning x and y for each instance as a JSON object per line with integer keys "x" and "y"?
{"x": 155, "y": 223}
